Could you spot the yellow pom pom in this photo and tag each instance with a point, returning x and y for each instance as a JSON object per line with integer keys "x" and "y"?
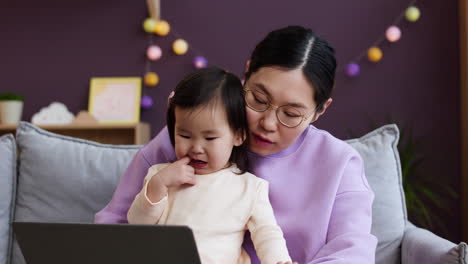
{"x": 151, "y": 79}
{"x": 180, "y": 47}
{"x": 149, "y": 25}
{"x": 412, "y": 14}
{"x": 162, "y": 28}
{"x": 374, "y": 54}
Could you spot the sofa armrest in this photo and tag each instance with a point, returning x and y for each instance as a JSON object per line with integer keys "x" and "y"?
{"x": 422, "y": 246}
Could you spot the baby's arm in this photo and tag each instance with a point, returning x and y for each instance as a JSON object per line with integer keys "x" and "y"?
{"x": 266, "y": 234}
{"x": 150, "y": 203}
{"x": 146, "y": 210}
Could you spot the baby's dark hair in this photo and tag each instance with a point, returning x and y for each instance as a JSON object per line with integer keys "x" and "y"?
{"x": 201, "y": 88}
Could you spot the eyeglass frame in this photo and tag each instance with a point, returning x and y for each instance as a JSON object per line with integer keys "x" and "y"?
{"x": 275, "y": 107}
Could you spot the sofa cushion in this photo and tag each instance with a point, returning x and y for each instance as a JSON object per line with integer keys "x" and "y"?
{"x": 7, "y": 193}
{"x": 64, "y": 179}
{"x": 382, "y": 167}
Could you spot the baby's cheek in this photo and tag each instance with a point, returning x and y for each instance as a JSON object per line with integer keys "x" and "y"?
{"x": 180, "y": 152}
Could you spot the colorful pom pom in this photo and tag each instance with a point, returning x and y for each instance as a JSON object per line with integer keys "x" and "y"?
{"x": 162, "y": 28}
{"x": 200, "y": 62}
{"x": 149, "y": 25}
{"x": 393, "y": 34}
{"x": 352, "y": 69}
{"x": 374, "y": 54}
{"x": 151, "y": 79}
{"x": 180, "y": 47}
{"x": 146, "y": 102}
{"x": 412, "y": 14}
{"x": 154, "y": 52}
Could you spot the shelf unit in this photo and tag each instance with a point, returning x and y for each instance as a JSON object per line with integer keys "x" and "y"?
{"x": 130, "y": 134}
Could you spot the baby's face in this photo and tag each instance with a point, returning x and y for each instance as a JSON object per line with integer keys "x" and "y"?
{"x": 203, "y": 134}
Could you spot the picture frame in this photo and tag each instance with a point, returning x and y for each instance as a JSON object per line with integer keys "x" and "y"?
{"x": 115, "y": 100}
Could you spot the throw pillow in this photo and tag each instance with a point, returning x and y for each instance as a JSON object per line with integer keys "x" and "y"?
{"x": 64, "y": 179}
{"x": 7, "y": 193}
{"x": 379, "y": 151}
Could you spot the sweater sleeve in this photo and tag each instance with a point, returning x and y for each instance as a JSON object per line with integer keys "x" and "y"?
{"x": 266, "y": 235}
{"x": 159, "y": 150}
{"x": 349, "y": 239}
{"x": 142, "y": 210}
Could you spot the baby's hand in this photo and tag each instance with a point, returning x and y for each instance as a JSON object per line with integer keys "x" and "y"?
{"x": 177, "y": 173}
{"x": 286, "y": 262}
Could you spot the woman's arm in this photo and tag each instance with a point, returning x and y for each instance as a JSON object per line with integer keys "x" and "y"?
{"x": 349, "y": 239}
{"x": 266, "y": 235}
{"x": 159, "y": 150}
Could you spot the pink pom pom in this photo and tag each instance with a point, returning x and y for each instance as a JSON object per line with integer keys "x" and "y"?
{"x": 154, "y": 52}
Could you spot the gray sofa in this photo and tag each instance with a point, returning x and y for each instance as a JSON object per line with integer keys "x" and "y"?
{"x": 47, "y": 177}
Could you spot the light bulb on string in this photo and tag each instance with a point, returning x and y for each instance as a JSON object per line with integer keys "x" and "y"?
{"x": 146, "y": 102}
{"x": 374, "y": 54}
{"x": 200, "y": 62}
{"x": 154, "y": 52}
{"x": 149, "y": 25}
{"x": 162, "y": 28}
{"x": 180, "y": 47}
{"x": 151, "y": 79}
{"x": 393, "y": 33}
{"x": 412, "y": 14}
{"x": 352, "y": 69}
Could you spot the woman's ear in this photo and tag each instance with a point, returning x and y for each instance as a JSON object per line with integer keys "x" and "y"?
{"x": 325, "y": 106}
{"x": 247, "y": 65}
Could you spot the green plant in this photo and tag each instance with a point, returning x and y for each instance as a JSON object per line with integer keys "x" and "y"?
{"x": 422, "y": 192}
{"x": 11, "y": 97}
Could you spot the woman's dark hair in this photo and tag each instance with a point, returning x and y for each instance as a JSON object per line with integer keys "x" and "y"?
{"x": 201, "y": 88}
{"x": 296, "y": 47}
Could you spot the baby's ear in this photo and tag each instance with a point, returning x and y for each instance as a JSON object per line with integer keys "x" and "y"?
{"x": 239, "y": 138}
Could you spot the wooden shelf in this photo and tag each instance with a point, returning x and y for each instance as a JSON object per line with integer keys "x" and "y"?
{"x": 126, "y": 134}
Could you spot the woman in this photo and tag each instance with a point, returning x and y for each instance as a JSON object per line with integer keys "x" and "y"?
{"x": 318, "y": 189}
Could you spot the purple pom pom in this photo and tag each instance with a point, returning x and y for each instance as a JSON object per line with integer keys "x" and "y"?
{"x": 200, "y": 62}
{"x": 146, "y": 102}
{"x": 352, "y": 69}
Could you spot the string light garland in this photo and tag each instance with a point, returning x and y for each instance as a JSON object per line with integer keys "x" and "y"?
{"x": 154, "y": 25}
{"x": 392, "y": 34}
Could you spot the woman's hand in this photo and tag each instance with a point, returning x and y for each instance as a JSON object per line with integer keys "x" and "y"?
{"x": 175, "y": 174}
{"x": 286, "y": 262}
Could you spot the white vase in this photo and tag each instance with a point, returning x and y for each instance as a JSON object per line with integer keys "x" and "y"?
{"x": 10, "y": 112}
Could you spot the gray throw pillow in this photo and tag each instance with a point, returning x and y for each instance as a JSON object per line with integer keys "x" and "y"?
{"x": 7, "y": 193}
{"x": 64, "y": 179}
{"x": 379, "y": 151}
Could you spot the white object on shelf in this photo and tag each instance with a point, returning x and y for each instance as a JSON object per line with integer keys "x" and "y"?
{"x": 10, "y": 112}
{"x": 54, "y": 114}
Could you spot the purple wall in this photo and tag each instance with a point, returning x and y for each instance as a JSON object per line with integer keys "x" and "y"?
{"x": 49, "y": 50}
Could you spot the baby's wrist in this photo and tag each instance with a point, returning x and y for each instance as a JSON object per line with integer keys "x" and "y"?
{"x": 156, "y": 190}
{"x": 159, "y": 178}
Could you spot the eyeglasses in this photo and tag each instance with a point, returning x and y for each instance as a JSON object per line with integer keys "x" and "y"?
{"x": 287, "y": 115}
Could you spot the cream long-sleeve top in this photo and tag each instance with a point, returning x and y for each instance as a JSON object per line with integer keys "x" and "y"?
{"x": 219, "y": 209}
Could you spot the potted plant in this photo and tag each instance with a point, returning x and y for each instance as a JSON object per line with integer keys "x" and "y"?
{"x": 11, "y": 108}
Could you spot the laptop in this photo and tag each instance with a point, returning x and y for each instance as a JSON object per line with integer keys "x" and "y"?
{"x": 73, "y": 243}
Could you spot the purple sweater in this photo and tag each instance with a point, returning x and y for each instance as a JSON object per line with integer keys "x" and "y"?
{"x": 318, "y": 190}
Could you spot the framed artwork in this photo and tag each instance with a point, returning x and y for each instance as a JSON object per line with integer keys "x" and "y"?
{"x": 115, "y": 100}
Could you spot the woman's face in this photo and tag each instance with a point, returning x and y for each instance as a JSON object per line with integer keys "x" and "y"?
{"x": 279, "y": 86}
